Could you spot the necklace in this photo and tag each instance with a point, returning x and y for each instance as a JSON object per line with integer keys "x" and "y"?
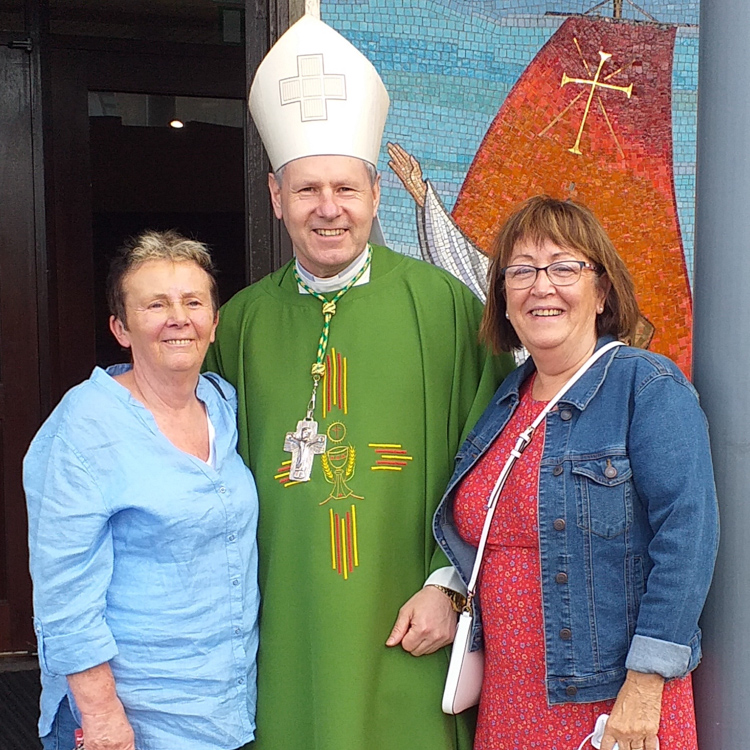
{"x": 305, "y": 442}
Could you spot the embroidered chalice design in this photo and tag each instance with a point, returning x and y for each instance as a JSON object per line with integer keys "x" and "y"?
{"x": 338, "y": 464}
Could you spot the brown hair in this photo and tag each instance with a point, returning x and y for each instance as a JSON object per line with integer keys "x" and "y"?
{"x": 151, "y": 245}
{"x": 568, "y": 225}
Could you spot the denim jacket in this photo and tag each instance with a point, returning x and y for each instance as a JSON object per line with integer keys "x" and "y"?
{"x": 627, "y": 513}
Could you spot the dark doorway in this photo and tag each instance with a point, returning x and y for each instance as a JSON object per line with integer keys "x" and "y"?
{"x": 116, "y": 175}
{"x": 156, "y": 165}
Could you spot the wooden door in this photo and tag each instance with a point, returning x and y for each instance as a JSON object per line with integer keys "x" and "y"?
{"x": 20, "y": 410}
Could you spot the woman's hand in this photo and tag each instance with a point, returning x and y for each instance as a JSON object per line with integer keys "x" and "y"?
{"x": 109, "y": 730}
{"x": 634, "y": 721}
{"x": 103, "y": 720}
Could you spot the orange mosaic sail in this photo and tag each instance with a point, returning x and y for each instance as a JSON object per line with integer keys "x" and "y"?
{"x": 590, "y": 119}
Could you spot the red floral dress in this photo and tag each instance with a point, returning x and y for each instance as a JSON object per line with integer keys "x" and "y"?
{"x": 513, "y": 710}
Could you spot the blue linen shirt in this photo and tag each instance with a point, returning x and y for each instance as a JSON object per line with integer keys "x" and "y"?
{"x": 145, "y": 557}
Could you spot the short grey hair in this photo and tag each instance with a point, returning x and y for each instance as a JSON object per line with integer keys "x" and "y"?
{"x": 372, "y": 173}
{"x": 151, "y": 245}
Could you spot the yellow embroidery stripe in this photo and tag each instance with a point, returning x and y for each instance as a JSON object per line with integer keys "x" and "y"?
{"x": 286, "y": 463}
{"x": 333, "y": 540}
{"x": 346, "y": 383}
{"x": 324, "y": 384}
{"x": 334, "y": 379}
{"x": 354, "y": 536}
{"x": 383, "y": 445}
{"x": 283, "y": 474}
{"x": 397, "y": 458}
{"x": 386, "y": 468}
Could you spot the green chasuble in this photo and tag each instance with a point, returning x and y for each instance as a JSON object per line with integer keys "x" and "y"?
{"x": 405, "y": 378}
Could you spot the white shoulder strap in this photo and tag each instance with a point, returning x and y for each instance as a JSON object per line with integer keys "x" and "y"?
{"x": 521, "y": 444}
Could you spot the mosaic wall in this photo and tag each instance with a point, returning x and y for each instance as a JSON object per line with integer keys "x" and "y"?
{"x": 477, "y": 100}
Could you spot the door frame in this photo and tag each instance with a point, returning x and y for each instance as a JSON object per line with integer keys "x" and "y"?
{"x": 20, "y": 404}
{"x": 77, "y": 66}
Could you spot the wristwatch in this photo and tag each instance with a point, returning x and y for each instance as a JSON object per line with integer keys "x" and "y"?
{"x": 458, "y": 601}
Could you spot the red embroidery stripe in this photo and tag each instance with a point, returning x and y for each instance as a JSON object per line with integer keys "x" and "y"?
{"x": 338, "y": 543}
{"x": 391, "y": 463}
{"x": 389, "y": 450}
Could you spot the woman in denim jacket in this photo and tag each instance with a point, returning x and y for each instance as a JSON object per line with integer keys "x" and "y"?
{"x": 602, "y": 547}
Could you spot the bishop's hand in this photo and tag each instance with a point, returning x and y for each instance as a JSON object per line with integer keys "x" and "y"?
{"x": 425, "y": 623}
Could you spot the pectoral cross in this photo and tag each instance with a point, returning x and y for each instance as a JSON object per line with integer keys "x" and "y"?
{"x": 303, "y": 444}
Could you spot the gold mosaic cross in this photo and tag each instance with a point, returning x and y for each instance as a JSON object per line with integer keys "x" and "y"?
{"x": 595, "y": 83}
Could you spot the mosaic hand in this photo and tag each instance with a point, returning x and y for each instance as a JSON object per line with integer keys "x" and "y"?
{"x": 407, "y": 169}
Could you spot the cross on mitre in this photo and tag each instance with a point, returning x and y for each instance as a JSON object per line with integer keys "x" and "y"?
{"x": 303, "y": 444}
{"x": 314, "y": 94}
{"x": 312, "y": 88}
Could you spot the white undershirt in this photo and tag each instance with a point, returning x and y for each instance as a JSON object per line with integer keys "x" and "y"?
{"x": 339, "y": 281}
{"x": 211, "y": 460}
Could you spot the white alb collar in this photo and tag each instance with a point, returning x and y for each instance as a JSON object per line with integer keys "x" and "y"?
{"x": 334, "y": 283}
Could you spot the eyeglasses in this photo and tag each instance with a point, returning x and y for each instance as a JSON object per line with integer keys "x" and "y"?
{"x": 561, "y": 273}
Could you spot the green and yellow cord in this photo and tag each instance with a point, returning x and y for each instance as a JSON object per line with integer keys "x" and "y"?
{"x": 329, "y": 310}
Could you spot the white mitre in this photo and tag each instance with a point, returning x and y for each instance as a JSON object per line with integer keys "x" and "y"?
{"x": 316, "y": 94}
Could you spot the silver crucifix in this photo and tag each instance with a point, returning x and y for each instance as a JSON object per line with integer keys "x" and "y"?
{"x": 303, "y": 445}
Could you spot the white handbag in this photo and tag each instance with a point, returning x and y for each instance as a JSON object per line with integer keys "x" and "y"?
{"x": 463, "y": 685}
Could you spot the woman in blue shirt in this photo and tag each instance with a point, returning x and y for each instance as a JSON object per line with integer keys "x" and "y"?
{"x": 142, "y": 521}
{"x": 602, "y": 547}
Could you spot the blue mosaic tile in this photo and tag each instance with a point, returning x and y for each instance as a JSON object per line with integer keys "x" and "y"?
{"x": 449, "y": 66}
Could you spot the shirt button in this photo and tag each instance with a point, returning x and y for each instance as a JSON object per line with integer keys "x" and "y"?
{"x": 231, "y": 538}
{"x": 558, "y": 524}
{"x": 222, "y": 489}
{"x": 235, "y": 582}
{"x": 571, "y": 690}
{"x": 241, "y": 681}
{"x": 561, "y": 578}
{"x": 565, "y": 634}
{"x": 566, "y": 415}
{"x": 237, "y": 631}
{"x": 610, "y": 472}
{"x": 557, "y": 470}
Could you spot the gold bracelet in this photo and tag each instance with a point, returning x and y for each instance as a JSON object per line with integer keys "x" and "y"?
{"x": 458, "y": 601}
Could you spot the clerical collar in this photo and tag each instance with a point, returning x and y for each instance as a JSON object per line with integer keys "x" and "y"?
{"x": 334, "y": 283}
